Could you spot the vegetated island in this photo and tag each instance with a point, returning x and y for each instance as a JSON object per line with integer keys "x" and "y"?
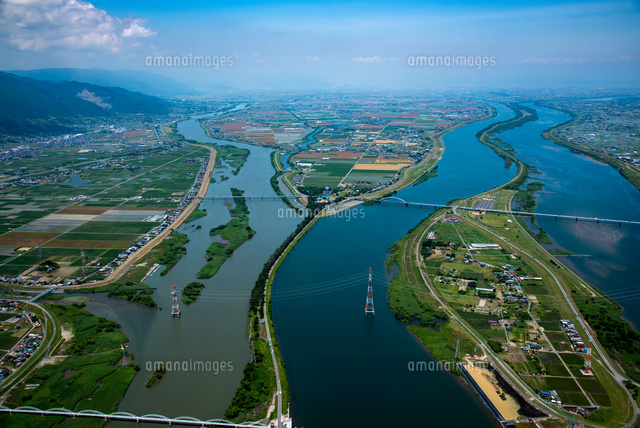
{"x": 235, "y": 233}
{"x": 191, "y": 292}
{"x": 195, "y": 215}
{"x": 156, "y": 376}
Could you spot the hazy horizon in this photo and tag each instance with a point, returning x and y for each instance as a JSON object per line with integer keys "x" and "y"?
{"x": 333, "y": 45}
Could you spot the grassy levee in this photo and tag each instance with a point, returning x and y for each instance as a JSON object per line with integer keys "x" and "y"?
{"x": 279, "y": 171}
{"x": 260, "y": 296}
{"x": 628, "y": 171}
{"x": 411, "y": 299}
{"x": 286, "y": 394}
{"x": 129, "y": 286}
{"x": 421, "y": 171}
{"x": 88, "y": 378}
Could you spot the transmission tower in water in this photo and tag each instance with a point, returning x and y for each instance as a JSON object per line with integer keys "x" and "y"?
{"x": 368, "y": 309}
{"x": 175, "y": 308}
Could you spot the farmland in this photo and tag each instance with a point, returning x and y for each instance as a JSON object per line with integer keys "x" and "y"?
{"x": 117, "y": 201}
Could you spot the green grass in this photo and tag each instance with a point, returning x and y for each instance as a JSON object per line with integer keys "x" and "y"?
{"x": 196, "y": 214}
{"x": 549, "y": 326}
{"x": 7, "y": 341}
{"x": 172, "y": 248}
{"x": 191, "y": 292}
{"x": 111, "y": 227}
{"x": 88, "y": 380}
{"x": 573, "y": 359}
{"x": 234, "y": 233}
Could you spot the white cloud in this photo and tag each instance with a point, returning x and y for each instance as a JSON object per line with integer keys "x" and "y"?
{"x": 556, "y": 60}
{"x": 137, "y": 30}
{"x": 372, "y": 59}
{"x": 69, "y": 24}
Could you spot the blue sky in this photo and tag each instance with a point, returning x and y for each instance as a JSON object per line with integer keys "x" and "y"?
{"x": 334, "y": 43}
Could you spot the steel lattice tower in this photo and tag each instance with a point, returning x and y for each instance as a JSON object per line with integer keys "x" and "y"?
{"x": 587, "y": 359}
{"x": 84, "y": 263}
{"x": 175, "y": 308}
{"x": 368, "y": 309}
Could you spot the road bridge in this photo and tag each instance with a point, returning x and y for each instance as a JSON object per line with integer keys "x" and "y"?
{"x": 393, "y": 200}
{"x": 44, "y": 293}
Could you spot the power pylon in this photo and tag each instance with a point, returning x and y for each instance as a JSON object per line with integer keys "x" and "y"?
{"x": 175, "y": 308}
{"x": 84, "y": 263}
{"x": 368, "y": 309}
{"x": 587, "y": 358}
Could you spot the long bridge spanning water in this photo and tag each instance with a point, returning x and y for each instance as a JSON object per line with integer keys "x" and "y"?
{"x": 128, "y": 417}
{"x": 401, "y": 202}
{"x": 250, "y": 197}
{"x": 393, "y": 200}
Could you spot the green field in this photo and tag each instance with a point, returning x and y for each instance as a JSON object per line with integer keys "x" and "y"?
{"x": 89, "y": 378}
{"x": 568, "y": 390}
{"x": 328, "y": 172}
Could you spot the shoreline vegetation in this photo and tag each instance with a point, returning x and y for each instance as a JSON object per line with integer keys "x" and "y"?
{"x": 90, "y": 375}
{"x": 240, "y": 408}
{"x": 195, "y": 215}
{"x": 253, "y": 384}
{"x": 413, "y": 303}
{"x": 626, "y": 170}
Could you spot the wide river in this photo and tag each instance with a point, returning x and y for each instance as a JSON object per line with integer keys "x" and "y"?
{"x": 346, "y": 370}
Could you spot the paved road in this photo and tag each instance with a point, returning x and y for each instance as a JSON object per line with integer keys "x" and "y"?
{"x": 275, "y": 365}
{"x": 44, "y": 350}
{"x": 123, "y": 268}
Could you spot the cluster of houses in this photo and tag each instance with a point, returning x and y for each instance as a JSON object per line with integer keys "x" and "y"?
{"x": 21, "y": 352}
{"x": 551, "y": 396}
{"x": 573, "y": 335}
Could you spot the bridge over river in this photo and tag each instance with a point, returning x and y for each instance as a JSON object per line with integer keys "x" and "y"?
{"x": 128, "y": 417}
{"x": 393, "y": 200}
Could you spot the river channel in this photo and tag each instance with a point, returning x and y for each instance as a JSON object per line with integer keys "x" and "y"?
{"x": 214, "y": 328}
{"x": 346, "y": 370}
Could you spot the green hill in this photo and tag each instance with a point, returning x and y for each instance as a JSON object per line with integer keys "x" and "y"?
{"x": 29, "y": 106}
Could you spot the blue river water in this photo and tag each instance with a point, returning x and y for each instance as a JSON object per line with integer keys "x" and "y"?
{"x": 346, "y": 370}
{"x": 310, "y": 138}
{"x": 605, "y": 255}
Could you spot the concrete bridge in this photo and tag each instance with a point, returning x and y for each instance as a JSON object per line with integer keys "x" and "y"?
{"x": 394, "y": 200}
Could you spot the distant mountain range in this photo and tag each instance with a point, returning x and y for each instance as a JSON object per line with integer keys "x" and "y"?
{"x": 131, "y": 80}
{"x": 30, "y": 106}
